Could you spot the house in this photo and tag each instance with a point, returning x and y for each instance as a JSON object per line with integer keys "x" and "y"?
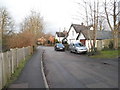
{"x": 51, "y": 39}
{"x": 60, "y": 35}
{"x": 41, "y": 41}
{"x": 102, "y": 38}
{"x": 85, "y": 35}
{"x": 74, "y": 31}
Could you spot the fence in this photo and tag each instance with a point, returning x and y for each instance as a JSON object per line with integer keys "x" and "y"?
{"x": 10, "y": 60}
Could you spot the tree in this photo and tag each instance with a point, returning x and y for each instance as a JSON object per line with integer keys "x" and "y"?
{"x": 34, "y": 25}
{"x": 112, "y": 18}
{"x": 91, "y": 17}
{"x": 6, "y": 22}
{"x": 31, "y": 29}
{"x": 6, "y": 26}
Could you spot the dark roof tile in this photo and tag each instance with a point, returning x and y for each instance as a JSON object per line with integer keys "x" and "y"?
{"x": 60, "y": 34}
{"x": 89, "y": 34}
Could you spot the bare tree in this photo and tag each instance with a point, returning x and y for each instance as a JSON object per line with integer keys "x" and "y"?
{"x": 6, "y": 26}
{"x": 6, "y": 22}
{"x": 92, "y": 16}
{"x": 112, "y": 18}
{"x": 33, "y": 24}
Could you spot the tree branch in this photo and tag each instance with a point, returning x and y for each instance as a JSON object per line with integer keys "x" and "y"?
{"x": 107, "y": 16}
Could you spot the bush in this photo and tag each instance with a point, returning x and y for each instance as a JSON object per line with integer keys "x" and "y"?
{"x": 110, "y": 45}
{"x": 56, "y": 41}
{"x": 66, "y": 46}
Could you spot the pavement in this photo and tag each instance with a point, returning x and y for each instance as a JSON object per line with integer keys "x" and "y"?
{"x": 31, "y": 76}
{"x": 69, "y": 70}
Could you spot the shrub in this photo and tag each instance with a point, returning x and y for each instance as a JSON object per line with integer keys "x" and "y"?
{"x": 110, "y": 45}
{"x": 56, "y": 41}
{"x": 66, "y": 46}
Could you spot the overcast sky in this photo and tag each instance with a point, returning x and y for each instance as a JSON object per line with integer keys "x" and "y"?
{"x": 57, "y": 14}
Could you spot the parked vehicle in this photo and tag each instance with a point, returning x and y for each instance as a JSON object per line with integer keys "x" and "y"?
{"x": 59, "y": 46}
{"x": 77, "y": 48}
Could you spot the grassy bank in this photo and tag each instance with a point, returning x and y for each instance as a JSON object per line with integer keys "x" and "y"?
{"x": 107, "y": 54}
{"x": 17, "y": 72}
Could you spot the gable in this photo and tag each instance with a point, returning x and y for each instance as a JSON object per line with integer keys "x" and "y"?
{"x": 72, "y": 33}
{"x": 78, "y": 28}
{"x": 81, "y": 36}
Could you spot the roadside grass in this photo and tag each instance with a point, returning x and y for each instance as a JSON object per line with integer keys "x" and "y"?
{"x": 107, "y": 54}
{"x": 17, "y": 72}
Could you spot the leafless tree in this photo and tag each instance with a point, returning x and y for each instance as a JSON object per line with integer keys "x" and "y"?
{"x": 111, "y": 16}
{"x": 6, "y": 22}
{"x": 6, "y": 26}
{"x": 33, "y": 24}
{"x": 92, "y": 17}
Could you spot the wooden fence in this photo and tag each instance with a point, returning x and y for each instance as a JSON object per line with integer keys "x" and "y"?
{"x": 10, "y": 60}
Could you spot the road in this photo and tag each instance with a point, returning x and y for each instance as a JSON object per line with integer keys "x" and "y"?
{"x": 69, "y": 70}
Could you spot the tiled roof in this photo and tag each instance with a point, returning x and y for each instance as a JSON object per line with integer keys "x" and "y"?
{"x": 89, "y": 34}
{"x": 60, "y": 34}
{"x": 78, "y": 27}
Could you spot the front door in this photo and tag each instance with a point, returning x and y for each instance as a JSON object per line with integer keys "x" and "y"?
{"x": 83, "y": 41}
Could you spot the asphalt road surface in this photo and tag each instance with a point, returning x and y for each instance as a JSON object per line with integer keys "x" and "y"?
{"x": 69, "y": 70}
{"x": 31, "y": 76}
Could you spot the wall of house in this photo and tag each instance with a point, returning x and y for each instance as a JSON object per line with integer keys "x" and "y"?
{"x": 100, "y": 44}
{"x": 72, "y": 35}
{"x": 81, "y": 37}
{"x": 88, "y": 45}
{"x": 106, "y": 42}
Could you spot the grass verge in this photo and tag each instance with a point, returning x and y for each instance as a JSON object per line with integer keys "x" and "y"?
{"x": 17, "y": 72}
{"x": 107, "y": 54}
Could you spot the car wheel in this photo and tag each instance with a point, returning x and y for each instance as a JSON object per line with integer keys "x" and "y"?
{"x": 85, "y": 52}
{"x": 76, "y": 51}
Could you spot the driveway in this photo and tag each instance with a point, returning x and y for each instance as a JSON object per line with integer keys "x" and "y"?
{"x": 69, "y": 70}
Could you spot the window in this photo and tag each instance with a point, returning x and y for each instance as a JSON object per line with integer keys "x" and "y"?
{"x": 72, "y": 33}
{"x": 79, "y": 44}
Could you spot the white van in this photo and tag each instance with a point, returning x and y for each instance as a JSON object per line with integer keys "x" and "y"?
{"x": 77, "y": 47}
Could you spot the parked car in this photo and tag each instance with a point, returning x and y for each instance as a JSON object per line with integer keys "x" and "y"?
{"x": 77, "y": 48}
{"x": 59, "y": 46}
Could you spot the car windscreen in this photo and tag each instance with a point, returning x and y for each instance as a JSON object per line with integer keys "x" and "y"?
{"x": 60, "y": 45}
{"x": 78, "y": 44}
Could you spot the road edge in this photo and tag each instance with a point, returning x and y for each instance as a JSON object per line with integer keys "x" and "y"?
{"x": 43, "y": 73}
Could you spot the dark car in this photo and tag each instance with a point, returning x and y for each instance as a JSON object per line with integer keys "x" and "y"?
{"x": 59, "y": 46}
